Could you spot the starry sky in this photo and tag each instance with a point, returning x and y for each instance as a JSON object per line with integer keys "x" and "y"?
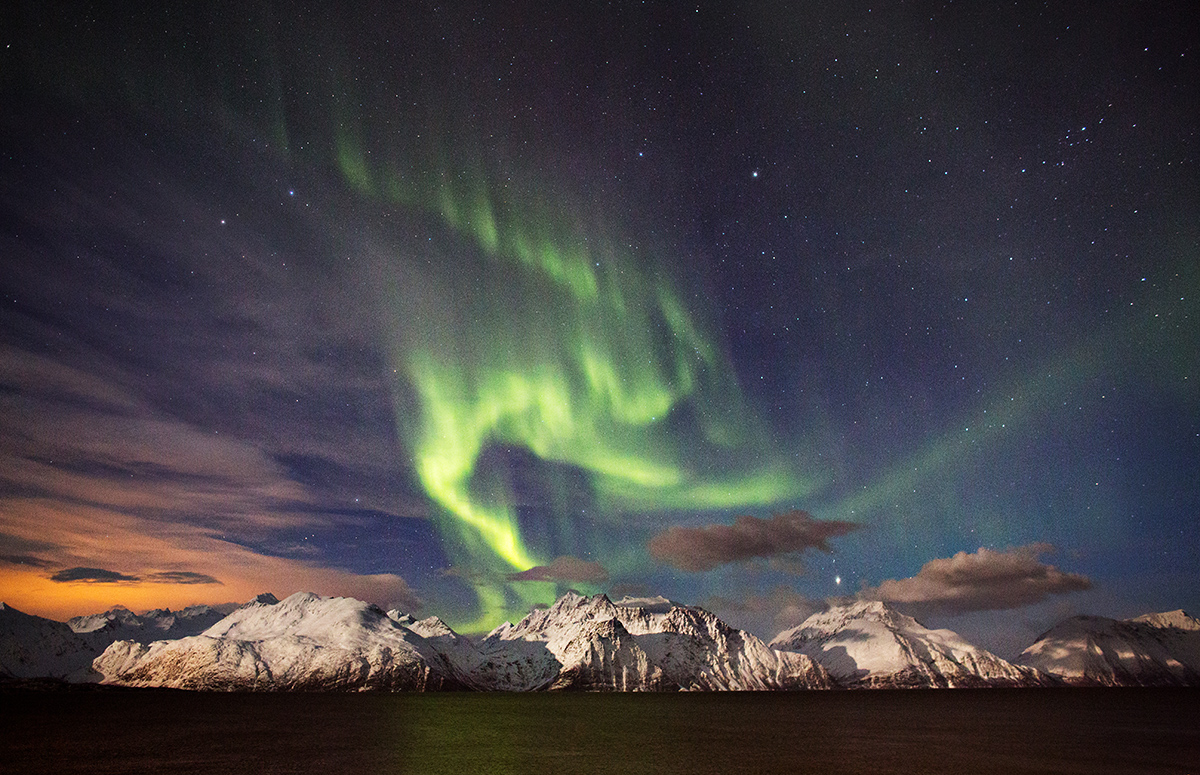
{"x": 456, "y": 307}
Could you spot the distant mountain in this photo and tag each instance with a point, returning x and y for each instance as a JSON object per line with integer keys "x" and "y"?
{"x": 33, "y": 647}
{"x": 592, "y": 643}
{"x": 159, "y": 624}
{"x": 304, "y": 643}
{"x": 871, "y": 645}
{"x": 1152, "y": 650}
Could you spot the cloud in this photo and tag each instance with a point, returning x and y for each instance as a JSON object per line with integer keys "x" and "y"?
{"x": 103, "y": 576}
{"x": 26, "y": 559}
{"x": 181, "y": 577}
{"x": 984, "y": 581}
{"x": 704, "y": 548}
{"x": 564, "y": 568}
{"x": 98, "y": 575}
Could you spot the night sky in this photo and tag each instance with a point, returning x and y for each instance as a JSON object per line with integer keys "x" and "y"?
{"x": 456, "y": 307}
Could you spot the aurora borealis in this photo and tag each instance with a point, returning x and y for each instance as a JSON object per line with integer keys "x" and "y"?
{"x": 457, "y": 307}
{"x": 581, "y": 360}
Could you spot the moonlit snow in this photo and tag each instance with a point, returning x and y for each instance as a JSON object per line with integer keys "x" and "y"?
{"x": 310, "y": 642}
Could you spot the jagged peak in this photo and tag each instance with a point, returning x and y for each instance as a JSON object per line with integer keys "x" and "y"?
{"x": 431, "y": 627}
{"x": 569, "y": 609}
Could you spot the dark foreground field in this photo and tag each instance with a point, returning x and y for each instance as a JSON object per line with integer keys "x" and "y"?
{"x": 957, "y": 731}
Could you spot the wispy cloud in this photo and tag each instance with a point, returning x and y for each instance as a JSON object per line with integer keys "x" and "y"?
{"x": 179, "y": 403}
{"x": 705, "y": 548}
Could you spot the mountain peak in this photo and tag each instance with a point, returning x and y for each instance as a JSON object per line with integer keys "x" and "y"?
{"x": 638, "y": 644}
{"x": 837, "y": 617}
{"x": 869, "y": 643}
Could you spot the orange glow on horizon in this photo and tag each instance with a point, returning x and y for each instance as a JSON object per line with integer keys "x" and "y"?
{"x": 31, "y": 592}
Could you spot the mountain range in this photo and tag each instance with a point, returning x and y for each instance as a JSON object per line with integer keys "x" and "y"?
{"x": 312, "y": 643}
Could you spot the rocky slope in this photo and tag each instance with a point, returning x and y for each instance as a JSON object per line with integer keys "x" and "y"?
{"x": 871, "y": 645}
{"x": 1152, "y": 650}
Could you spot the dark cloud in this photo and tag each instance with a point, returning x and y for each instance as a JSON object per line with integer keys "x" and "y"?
{"x": 984, "y": 581}
{"x": 704, "y": 548}
{"x": 181, "y": 577}
{"x": 564, "y": 568}
{"x": 26, "y": 559}
{"x": 19, "y": 550}
{"x": 99, "y": 575}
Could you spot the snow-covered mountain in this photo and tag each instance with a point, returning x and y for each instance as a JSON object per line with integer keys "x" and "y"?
{"x": 311, "y": 642}
{"x": 869, "y": 644}
{"x": 33, "y": 647}
{"x": 306, "y": 642}
{"x": 1152, "y": 650}
{"x": 159, "y": 624}
{"x": 592, "y": 643}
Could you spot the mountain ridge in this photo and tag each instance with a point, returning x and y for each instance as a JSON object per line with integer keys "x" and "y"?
{"x": 579, "y": 643}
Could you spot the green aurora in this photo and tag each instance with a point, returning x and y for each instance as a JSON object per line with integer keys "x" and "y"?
{"x": 572, "y": 346}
